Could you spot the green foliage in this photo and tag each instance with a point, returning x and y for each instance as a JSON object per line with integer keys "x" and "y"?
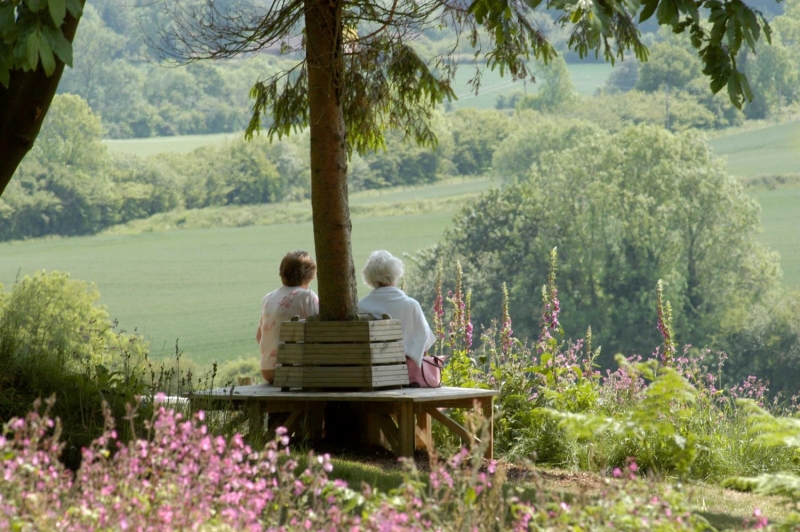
{"x": 656, "y": 429}
{"x": 556, "y": 92}
{"x": 55, "y": 339}
{"x": 627, "y": 210}
{"x": 624, "y": 77}
{"x": 476, "y": 135}
{"x": 538, "y": 134}
{"x": 670, "y": 65}
{"x": 770, "y": 431}
{"x": 30, "y": 35}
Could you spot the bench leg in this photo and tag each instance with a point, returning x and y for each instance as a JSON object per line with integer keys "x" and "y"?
{"x": 255, "y": 415}
{"x": 315, "y": 418}
{"x": 488, "y": 412}
{"x": 424, "y": 438}
{"x": 405, "y": 422}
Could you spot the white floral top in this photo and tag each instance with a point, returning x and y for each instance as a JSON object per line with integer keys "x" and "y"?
{"x": 279, "y": 306}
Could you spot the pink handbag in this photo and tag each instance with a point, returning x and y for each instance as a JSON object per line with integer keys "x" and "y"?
{"x": 428, "y": 376}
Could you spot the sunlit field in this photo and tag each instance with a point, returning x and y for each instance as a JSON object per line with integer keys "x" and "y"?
{"x": 780, "y": 214}
{"x": 203, "y": 287}
{"x": 587, "y": 78}
{"x": 768, "y": 151}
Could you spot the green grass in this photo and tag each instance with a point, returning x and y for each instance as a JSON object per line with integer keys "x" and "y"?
{"x": 780, "y": 215}
{"x": 725, "y": 509}
{"x": 203, "y": 287}
{"x": 587, "y": 78}
{"x": 155, "y": 145}
{"x": 768, "y": 151}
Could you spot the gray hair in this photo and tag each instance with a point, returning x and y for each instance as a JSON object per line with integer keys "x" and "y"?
{"x": 382, "y": 269}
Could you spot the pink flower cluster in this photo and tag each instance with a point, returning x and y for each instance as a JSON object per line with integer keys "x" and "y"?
{"x": 177, "y": 478}
{"x": 181, "y": 477}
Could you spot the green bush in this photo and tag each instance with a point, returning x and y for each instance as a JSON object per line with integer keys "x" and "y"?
{"x": 56, "y": 340}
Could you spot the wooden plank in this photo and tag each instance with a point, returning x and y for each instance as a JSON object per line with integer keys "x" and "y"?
{"x": 255, "y": 415}
{"x": 422, "y": 397}
{"x": 452, "y": 426}
{"x": 344, "y": 331}
{"x": 405, "y": 425}
{"x": 389, "y": 430}
{"x": 488, "y": 413}
{"x": 355, "y": 337}
{"x": 423, "y": 432}
{"x": 338, "y": 354}
{"x": 343, "y": 372}
{"x": 292, "y": 331}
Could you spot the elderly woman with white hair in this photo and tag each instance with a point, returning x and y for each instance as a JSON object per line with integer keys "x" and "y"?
{"x": 382, "y": 273}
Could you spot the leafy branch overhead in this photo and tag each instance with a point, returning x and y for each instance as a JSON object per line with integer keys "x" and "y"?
{"x": 31, "y": 35}
{"x": 386, "y": 83}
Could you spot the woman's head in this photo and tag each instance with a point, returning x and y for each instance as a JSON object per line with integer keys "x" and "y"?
{"x": 298, "y": 268}
{"x": 382, "y": 269}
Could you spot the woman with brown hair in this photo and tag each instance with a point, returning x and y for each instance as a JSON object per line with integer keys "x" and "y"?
{"x": 294, "y": 298}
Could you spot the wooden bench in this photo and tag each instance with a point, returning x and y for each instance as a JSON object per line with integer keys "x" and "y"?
{"x": 402, "y": 416}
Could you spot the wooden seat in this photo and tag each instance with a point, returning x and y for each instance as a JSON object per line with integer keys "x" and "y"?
{"x": 403, "y": 417}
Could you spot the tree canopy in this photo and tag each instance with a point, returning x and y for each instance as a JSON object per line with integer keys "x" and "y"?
{"x": 624, "y": 212}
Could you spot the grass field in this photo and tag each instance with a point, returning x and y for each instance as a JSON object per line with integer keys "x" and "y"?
{"x": 768, "y": 151}
{"x": 155, "y": 145}
{"x": 587, "y": 78}
{"x": 780, "y": 214}
{"x": 204, "y": 287}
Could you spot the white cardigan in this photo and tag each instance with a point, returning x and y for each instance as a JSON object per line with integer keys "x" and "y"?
{"x": 417, "y": 334}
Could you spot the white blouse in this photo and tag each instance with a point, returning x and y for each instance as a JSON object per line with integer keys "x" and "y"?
{"x": 282, "y": 305}
{"x": 417, "y": 334}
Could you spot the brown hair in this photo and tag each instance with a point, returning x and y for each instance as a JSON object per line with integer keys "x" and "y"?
{"x": 297, "y": 268}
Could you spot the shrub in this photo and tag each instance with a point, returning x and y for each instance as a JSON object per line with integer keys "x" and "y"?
{"x": 669, "y": 412}
{"x": 56, "y": 339}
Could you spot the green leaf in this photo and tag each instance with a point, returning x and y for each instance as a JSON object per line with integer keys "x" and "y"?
{"x": 46, "y": 53}
{"x": 5, "y": 76}
{"x": 58, "y": 10}
{"x": 649, "y": 8}
{"x": 7, "y": 18}
{"x": 470, "y": 496}
{"x": 74, "y": 7}
{"x": 32, "y": 50}
{"x": 60, "y": 45}
{"x": 667, "y": 13}
{"x": 36, "y": 5}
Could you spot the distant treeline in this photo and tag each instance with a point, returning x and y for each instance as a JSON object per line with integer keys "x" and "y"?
{"x": 70, "y": 184}
{"x": 137, "y": 95}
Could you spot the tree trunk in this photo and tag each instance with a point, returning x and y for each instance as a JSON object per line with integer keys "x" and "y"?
{"x": 23, "y": 106}
{"x": 331, "y": 213}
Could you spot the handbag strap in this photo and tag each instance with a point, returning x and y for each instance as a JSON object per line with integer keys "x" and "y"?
{"x": 422, "y": 370}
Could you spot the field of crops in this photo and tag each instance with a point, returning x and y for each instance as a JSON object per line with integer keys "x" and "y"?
{"x": 780, "y": 214}
{"x": 587, "y": 78}
{"x": 204, "y": 287}
{"x": 768, "y": 151}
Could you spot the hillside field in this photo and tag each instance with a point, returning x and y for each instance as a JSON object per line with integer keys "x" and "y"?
{"x": 780, "y": 215}
{"x": 203, "y": 287}
{"x": 767, "y": 151}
